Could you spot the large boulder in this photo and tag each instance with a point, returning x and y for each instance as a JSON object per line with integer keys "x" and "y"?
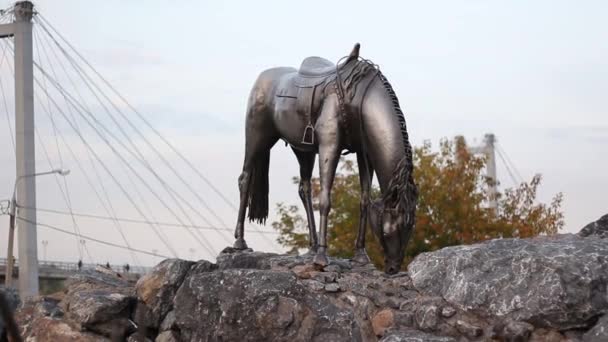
{"x": 553, "y": 281}
{"x": 598, "y": 228}
{"x": 541, "y": 289}
{"x": 157, "y": 288}
{"x": 599, "y": 332}
{"x": 99, "y": 302}
{"x": 414, "y": 336}
{"x": 252, "y": 305}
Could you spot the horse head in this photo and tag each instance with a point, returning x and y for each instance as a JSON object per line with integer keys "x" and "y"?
{"x": 392, "y": 219}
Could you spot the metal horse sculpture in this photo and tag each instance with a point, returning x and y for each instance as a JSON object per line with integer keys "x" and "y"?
{"x": 324, "y": 109}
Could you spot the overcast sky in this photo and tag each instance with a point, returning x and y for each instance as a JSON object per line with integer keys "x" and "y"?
{"x": 533, "y": 73}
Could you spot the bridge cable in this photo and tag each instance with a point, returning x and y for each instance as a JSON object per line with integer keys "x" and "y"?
{"x": 87, "y": 79}
{"x": 75, "y": 227}
{"x": 119, "y": 228}
{"x": 499, "y": 147}
{"x": 8, "y": 117}
{"x": 66, "y": 194}
{"x": 101, "y": 135}
{"x": 146, "y": 122}
{"x": 131, "y": 220}
{"x": 85, "y": 142}
{"x": 508, "y": 168}
{"x": 158, "y": 232}
{"x": 173, "y": 193}
{"x": 39, "y": 224}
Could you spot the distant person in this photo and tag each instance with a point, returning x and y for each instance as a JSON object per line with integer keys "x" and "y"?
{"x": 79, "y": 265}
{"x": 108, "y": 266}
{"x": 127, "y": 268}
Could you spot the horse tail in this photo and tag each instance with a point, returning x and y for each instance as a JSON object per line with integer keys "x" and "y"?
{"x": 258, "y": 188}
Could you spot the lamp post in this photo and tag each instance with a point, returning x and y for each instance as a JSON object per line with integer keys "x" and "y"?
{"x": 25, "y": 273}
{"x": 45, "y": 244}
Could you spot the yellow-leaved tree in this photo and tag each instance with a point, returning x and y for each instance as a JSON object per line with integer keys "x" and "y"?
{"x": 452, "y": 207}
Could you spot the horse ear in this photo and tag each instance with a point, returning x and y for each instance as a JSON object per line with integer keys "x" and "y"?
{"x": 355, "y": 53}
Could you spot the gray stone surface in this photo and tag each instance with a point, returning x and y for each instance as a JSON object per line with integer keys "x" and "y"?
{"x": 157, "y": 288}
{"x": 559, "y": 281}
{"x": 599, "y": 332}
{"x": 267, "y": 305}
{"x": 414, "y": 336}
{"x": 550, "y": 289}
{"x": 598, "y": 228}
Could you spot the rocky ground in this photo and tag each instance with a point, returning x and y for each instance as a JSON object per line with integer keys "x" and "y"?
{"x": 540, "y": 289}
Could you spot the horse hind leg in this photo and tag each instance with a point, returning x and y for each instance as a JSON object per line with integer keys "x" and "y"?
{"x": 307, "y": 163}
{"x": 253, "y": 181}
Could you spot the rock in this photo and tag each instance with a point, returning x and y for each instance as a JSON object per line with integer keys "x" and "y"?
{"x": 552, "y": 281}
{"x": 98, "y": 302}
{"x": 468, "y": 329}
{"x": 549, "y": 335}
{"x": 93, "y": 306}
{"x": 324, "y": 277}
{"x": 167, "y": 336}
{"x": 427, "y": 312}
{"x": 597, "y": 229}
{"x": 332, "y": 268}
{"x": 169, "y": 322}
{"x": 333, "y": 287}
{"x": 93, "y": 279}
{"x": 448, "y": 311}
{"x": 304, "y": 271}
{"x": 414, "y": 336}
{"x": 231, "y": 258}
{"x": 36, "y": 327}
{"x": 48, "y": 306}
{"x": 157, "y": 288}
{"x": 455, "y": 294}
{"x": 138, "y": 338}
{"x": 259, "y": 304}
{"x": 314, "y": 285}
{"x": 47, "y": 329}
{"x": 382, "y": 321}
{"x": 599, "y": 332}
{"x": 510, "y": 330}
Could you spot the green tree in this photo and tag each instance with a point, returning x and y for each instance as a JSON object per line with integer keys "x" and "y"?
{"x": 452, "y": 207}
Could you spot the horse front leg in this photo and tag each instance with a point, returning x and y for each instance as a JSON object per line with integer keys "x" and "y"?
{"x": 365, "y": 179}
{"x": 329, "y": 155}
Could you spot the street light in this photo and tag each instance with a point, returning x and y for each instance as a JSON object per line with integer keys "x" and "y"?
{"x": 12, "y": 215}
{"x": 45, "y": 244}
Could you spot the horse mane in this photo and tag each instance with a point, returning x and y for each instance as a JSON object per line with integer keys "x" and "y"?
{"x": 402, "y": 192}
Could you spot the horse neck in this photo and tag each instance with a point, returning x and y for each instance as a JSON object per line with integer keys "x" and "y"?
{"x": 384, "y": 135}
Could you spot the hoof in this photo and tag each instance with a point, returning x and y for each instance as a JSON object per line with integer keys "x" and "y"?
{"x": 321, "y": 259}
{"x": 361, "y": 257}
{"x": 240, "y": 244}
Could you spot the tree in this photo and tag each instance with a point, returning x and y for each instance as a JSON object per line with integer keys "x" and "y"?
{"x": 452, "y": 207}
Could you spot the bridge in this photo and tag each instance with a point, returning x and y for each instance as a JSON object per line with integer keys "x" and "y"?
{"x": 52, "y": 274}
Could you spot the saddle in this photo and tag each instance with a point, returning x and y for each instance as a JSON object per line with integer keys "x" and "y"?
{"x": 310, "y": 85}
{"x": 316, "y": 67}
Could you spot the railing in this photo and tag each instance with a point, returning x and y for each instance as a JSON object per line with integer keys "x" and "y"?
{"x": 72, "y": 267}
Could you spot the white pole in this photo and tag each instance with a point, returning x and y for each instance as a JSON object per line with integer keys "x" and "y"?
{"x": 24, "y": 129}
{"x": 491, "y": 170}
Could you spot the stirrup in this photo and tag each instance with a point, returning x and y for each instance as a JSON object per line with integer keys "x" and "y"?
{"x": 309, "y": 135}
